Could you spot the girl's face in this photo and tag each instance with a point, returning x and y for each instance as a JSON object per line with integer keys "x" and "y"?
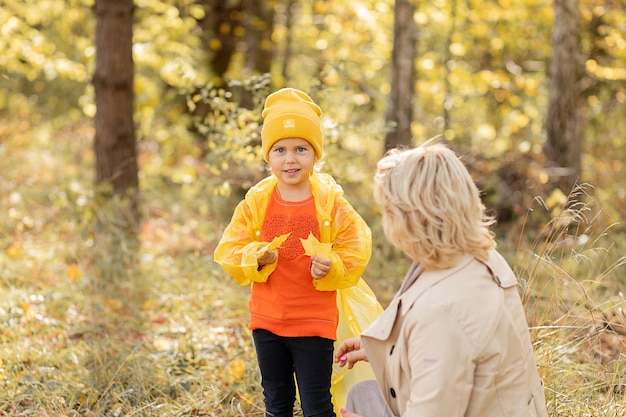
{"x": 292, "y": 160}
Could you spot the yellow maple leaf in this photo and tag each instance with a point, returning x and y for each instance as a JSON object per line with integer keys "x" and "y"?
{"x": 313, "y": 247}
{"x": 275, "y": 243}
{"x": 259, "y": 248}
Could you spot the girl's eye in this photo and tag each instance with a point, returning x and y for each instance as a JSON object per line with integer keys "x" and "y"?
{"x": 279, "y": 150}
{"x": 301, "y": 149}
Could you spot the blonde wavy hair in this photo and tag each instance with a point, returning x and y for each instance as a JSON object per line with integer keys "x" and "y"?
{"x": 431, "y": 207}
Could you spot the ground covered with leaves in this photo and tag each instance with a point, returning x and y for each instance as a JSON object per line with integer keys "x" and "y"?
{"x": 95, "y": 322}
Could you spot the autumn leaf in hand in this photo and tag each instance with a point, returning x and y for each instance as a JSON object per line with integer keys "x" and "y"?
{"x": 313, "y": 247}
{"x": 275, "y": 243}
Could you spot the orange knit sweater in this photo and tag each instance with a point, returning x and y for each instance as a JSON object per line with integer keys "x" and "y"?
{"x": 288, "y": 304}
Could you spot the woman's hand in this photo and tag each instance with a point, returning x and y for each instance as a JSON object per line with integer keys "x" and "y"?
{"x": 350, "y": 352}
{"x": 267, "y": 258}
{"x": 320, "y": 267}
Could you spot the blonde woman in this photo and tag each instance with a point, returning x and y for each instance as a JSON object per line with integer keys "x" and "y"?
{"x": 454, "y": 340}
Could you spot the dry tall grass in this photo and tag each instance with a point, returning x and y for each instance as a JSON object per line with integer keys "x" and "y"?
{"x": 95, "y": 322}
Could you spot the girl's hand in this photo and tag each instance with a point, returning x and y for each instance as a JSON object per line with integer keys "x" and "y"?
{"x": 350, "y": 352}
{"x": 320, "y": 267}
{"x": 346, "y": 413}
{"x": 267, "y": 258}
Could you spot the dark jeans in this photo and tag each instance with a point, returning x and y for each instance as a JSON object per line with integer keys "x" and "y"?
{"x": 311, "y": 358}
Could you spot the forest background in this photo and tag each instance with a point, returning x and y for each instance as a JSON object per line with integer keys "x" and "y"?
{"x": 111, "y": 305}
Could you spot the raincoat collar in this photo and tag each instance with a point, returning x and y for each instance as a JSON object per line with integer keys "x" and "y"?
{"x": 324, "y": 188}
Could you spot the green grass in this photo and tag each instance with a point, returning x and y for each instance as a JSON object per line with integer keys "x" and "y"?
{"x": 95, "y": 322}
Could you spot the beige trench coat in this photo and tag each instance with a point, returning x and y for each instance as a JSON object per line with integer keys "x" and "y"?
{"x": 456, "y": 343}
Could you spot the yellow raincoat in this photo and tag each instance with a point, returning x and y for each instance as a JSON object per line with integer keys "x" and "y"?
{"x": 340, "y": 225}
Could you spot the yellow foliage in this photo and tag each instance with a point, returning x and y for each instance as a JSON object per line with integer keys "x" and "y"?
{"x": 149, "y": 305}
{"x": 239, "y": 31}
{"x": 25, "y": 307}
{"x": 457, "y": 49}
{"x": 215, "y": 44}
{"x": 246, "y": 399}
{"x": 72, "y": 272}
{"x": 113, "y": 304}
{"x": 197, "y": 12}
{"x": 237, "y": 369}
{"x": 13, "y": 251}
{"x": 556, "y": 199}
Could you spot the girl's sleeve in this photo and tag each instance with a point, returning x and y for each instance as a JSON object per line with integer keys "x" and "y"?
{"x": 351, "y": 250}
{"x": 237, "y": 250}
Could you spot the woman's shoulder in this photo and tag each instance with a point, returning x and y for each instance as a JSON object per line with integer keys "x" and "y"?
{"x": 471, "y": 294}
{"x": 471, "y": 282}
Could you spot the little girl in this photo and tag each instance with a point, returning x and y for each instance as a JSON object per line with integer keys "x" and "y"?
{"x": 293, "y": 302}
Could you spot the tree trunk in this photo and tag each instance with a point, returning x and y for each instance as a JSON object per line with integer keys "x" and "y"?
{"x": 115, "y": 148}
{"x": 563, "y": 145}
{"x": 400, "y": 103}
{"x": 289, "y": 21}
{"x": 259, "y": 45}
{"x": 220, "y": 28}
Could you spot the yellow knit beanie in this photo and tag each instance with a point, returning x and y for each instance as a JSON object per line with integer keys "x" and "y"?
{"x": 290, "y": 113}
